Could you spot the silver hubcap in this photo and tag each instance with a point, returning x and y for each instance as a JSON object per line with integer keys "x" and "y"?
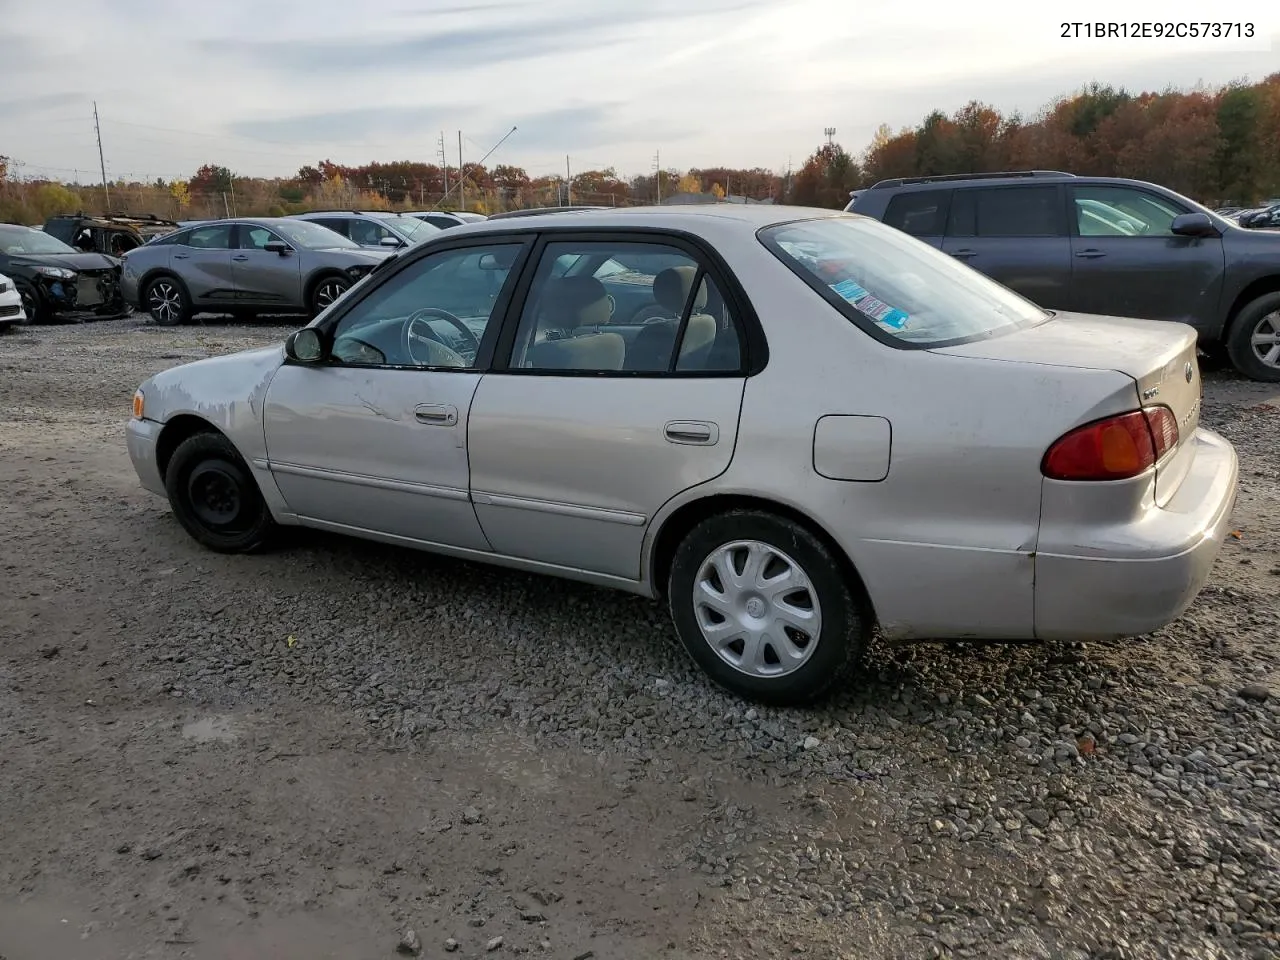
{"x": 757, "y": 609}
{"x": 1266, "y": 339}
{"x": 329, "y": 291}
{"x": 164, "y": 301}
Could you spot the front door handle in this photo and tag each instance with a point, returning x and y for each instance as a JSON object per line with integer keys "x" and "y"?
{"x": 1090, "y": 254}
{"x": 436, "y": 414}
{"x": 700, "y": 432}
{"x": 964, "y": 254}
{"x": 240, "y": 257}
{"x": 181, "y": 256}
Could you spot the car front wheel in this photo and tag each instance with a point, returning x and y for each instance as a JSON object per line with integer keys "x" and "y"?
{"x": 326, "y": 292}
{"x": 765, "y": 608}
{"x": 1254, "y": 341}
{"x": 214, "y": 496}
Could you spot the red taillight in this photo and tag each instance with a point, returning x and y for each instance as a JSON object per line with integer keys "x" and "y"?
{"x": 1116, "y": 448}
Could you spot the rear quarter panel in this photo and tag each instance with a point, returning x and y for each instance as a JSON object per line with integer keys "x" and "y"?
{"x": 945, "y": 542}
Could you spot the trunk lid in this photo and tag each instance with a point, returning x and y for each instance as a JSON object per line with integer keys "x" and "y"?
{"x": 1160, "y": 356}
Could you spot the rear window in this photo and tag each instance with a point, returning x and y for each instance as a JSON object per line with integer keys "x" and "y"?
{"x": 896, "y": 287}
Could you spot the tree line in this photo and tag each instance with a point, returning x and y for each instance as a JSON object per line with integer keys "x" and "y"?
{"x": 1216, "y": 145}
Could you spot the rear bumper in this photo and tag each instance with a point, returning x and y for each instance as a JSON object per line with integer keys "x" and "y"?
{"x": 1140, "y": 577}
{"x": 140, "y": 438}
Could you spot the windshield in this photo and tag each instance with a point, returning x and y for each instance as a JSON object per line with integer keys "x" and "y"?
{"x": 19, "y": 240}
{"x": 411, "y": 227}
{"x": 311, "y": 236}
{"x": 890, "y": 282}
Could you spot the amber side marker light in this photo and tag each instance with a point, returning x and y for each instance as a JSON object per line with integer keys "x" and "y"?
{"x": 137, "y": 404}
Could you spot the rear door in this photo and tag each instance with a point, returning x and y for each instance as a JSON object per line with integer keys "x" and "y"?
{"x": 1127, "y": 262}
{"x": 203, "y": 261}
{"x": 264, "y": 277}
{"x": 579, "y": 436}
{"x": 1016, "y": 235}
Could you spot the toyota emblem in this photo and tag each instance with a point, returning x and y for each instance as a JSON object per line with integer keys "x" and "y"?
{"x": 1189, "y": 372}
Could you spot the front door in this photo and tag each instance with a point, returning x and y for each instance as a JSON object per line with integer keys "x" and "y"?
{"x": 375, "y": 438}
{"x": 1017, "y": 236}
{"x": 203, "y": 261}
{"x": 1127, "y": 262}
{"x": 584, "y": 432}
{"x": 263, "y": 277}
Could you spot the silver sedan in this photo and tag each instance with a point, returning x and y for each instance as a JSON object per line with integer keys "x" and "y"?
{"x": 823, "y": 425}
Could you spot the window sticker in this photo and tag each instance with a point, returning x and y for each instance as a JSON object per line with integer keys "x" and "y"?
{"x": 876, "y": 309}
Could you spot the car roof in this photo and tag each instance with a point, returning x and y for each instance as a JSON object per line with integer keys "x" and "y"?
{"x": 691, "y": 217}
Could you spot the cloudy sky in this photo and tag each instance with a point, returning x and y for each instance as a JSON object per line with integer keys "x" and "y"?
{"x": 264, "y": 87}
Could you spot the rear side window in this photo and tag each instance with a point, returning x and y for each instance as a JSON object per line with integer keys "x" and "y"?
{"x": 922, "y": 214}
{"x": 1007, "y": 212}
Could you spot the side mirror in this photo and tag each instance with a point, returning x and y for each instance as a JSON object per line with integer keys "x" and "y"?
{"x": 1193, "y": 225}
{"x": 304, "y": 346}
{"x": 277, "y": 246}
{"x": 390, "y": 242}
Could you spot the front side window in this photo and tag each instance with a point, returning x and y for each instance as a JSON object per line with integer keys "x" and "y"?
{"x": 214, "y": 237}
{"x": 581, "y": 314}
{"x": 896, "y": 285}
{"x": 1122, "y": 212}
{"x": 255, "y": 238}
{"x": 433, "y": 313}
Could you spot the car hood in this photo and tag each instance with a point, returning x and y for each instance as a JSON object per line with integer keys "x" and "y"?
{"x": 71, "y": 261}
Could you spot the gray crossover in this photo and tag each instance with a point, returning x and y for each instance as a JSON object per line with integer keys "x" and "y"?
{"x": 1102, "y": 245}
{"x": 270, "y": 265}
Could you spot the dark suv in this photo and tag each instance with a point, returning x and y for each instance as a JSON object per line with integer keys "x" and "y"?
{"x": 1102, "y": 245}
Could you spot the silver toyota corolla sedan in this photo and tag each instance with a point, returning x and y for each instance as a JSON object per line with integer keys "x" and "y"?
{"x": 828, "y": 425}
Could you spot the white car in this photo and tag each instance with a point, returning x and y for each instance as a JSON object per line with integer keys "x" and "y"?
{"x": 11, "y": 312}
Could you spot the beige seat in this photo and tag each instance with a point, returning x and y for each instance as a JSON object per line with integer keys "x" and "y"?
{"x": 652, "y": 347}
{"x": 568, "y": 304}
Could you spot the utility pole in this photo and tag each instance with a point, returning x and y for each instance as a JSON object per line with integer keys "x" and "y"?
{"x": 657, "y": 166}
{"x": 568, "y": 183}
{"x": 231, "y": 180}
{"x": 462, "y": 180}
{"x": 444, "y": 164}
{"x": 106, "y": 192}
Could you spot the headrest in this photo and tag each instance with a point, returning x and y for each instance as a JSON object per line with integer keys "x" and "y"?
{"x": 671, "y": 289}
{"x": 576, "y": 301}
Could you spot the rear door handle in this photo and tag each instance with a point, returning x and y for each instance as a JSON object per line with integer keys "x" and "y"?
{"x": 436, "y": 414}
{"x": 181, "y": 256}
{"x": 240, "y": 257}
{"x": 1090, "y": 254}
{"x": 964, "y": 254}
{"x": 700, "y": 432}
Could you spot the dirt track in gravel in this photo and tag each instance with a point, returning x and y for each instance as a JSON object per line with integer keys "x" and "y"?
{"x": 476, "y": 754}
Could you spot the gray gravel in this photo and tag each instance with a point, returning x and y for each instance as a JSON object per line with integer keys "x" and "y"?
{"x": 499, "y": 763}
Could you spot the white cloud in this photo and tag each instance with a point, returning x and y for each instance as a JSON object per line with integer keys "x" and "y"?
{"x": 266, "y": 87}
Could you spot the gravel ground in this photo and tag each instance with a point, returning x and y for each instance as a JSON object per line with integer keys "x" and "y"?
{"x": 313, "y": 752}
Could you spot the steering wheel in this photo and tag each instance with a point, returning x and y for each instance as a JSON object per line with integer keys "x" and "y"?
{"x": 438, "y": 353}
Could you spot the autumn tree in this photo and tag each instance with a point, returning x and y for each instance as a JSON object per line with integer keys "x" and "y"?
{"x": 180, "y": 191}
{"x": 211, "y": 179}
{"x": 827, "y": 178}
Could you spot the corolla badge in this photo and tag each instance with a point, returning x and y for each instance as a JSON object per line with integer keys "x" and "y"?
{"x": 1189, "y": 372}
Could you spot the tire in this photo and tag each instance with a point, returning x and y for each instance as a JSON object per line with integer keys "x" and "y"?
{"x": 326, "y": 290}
{"x": 167, "y": 301}
{"x": 824, "y": 661}
{"x": 1258, "y": 320}
{"x": 33, "y": 304}
{"x": 214, "y": 496}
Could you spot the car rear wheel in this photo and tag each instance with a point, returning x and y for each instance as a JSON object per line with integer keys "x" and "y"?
{"x": 33, "y": 304}
{"x": 327, "y": 290}
{"x": 765, "y": 608}
{"x": 167, "y": 302}
{"x": 1254, "y": 341}
{"x": 215, "y": 497}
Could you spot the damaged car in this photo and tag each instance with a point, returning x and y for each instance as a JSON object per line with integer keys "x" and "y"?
{"x": 113, "y": 234}
{"x": 56, "y": 281}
